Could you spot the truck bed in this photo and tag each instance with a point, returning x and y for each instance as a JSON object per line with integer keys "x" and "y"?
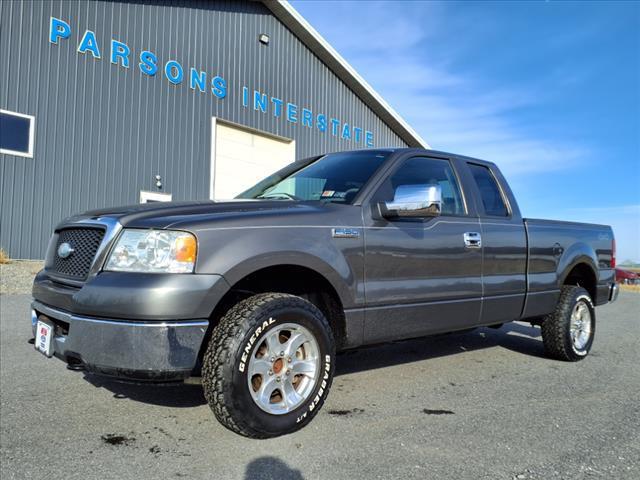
{"x": 554, "y": 246}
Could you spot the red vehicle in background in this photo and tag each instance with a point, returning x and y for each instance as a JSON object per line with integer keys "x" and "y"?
{"x": 627, "y": 277}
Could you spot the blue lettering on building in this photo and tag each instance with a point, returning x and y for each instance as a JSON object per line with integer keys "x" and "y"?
{"x": 346, "y": 132}
{"x": 198, "y": 79}
{"x": 368, "y": 139}
{"x": 259, "y": 101}
{"x": 335, "y": 124}
{"x": 89, "y": 44}
{"x": 148, "y": 63}
{"x": 219, "y": 87}
{"x": 173, "y": 71}
{"x": 58, "y": 29}
{"x": 322, "y": 122}
{"x": 307, "y": 118}
{"x": 292, "y": 112}
{"x": 245, "y": 96}
{"x": 121, "y": 54}
{"x": 304, "y": 116}
{"x": 277, "y": 106}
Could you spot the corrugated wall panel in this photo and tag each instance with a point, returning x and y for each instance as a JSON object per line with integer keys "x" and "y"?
{"x": 103, "y": 131}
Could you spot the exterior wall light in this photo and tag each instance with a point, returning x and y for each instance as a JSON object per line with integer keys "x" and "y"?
{"x": 264, "y": 38}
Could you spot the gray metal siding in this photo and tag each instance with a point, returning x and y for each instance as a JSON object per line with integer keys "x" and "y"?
{"x": 103, "y": 131}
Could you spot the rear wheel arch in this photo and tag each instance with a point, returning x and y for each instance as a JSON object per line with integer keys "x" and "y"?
{"x": 578, "y": 265}
{"x": 582, "y": 273}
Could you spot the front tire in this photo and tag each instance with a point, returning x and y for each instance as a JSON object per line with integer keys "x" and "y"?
{"x": 269, "y": 365}
{"x": 568, "y": 332}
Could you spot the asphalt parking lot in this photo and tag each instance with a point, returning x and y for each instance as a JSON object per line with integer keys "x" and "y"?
{"x": 480, "y": 405}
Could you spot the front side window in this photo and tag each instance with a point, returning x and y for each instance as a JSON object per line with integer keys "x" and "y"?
{"x": 16, "y": 133}
{"x": 426, "y": 171}
{"x": 335, "y": 178}
{"x": 489, "y": 191}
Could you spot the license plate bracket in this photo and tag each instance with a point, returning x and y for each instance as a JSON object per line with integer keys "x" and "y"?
{"x": 44, "y": 337}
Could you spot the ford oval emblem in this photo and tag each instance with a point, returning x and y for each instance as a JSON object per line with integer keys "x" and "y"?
{"x": 64, "y": 250}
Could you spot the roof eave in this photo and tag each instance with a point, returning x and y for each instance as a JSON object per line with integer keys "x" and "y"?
{"x": 325, "y": 52}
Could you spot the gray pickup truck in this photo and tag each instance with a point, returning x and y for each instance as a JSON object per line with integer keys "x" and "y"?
{"x": 257, "y": 294}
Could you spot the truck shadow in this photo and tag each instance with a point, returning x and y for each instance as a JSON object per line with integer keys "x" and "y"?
{"x": 516, "y": 337}
{"x": 177, "y": 395}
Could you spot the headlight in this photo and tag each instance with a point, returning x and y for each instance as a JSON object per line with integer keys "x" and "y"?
{"x": 154, "y": 251}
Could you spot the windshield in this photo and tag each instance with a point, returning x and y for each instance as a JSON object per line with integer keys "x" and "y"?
{"x": 337, "y": 178}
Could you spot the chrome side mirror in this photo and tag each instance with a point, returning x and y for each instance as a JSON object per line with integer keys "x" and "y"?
{"x": 413, "y": 201}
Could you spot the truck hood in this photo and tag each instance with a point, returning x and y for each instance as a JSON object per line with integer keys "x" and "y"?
{"x": 200, "y": 214}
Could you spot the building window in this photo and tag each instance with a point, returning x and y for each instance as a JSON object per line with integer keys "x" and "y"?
{"x": 16, "y": 133}
{"x": 151, "y": 197}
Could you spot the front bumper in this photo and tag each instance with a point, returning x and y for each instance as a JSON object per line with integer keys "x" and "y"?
{"x": 135, "y": 296}
{"x": 135, "y": 350}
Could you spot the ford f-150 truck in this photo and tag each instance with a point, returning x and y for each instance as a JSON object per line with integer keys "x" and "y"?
{"x": 257, "y": 294}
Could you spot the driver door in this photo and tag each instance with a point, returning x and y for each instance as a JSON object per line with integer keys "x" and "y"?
{"x": 420, "y": 277}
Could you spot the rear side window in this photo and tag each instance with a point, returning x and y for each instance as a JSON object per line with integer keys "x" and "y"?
{"x": 489, "y": 191}
{"x": 426, "y": 171}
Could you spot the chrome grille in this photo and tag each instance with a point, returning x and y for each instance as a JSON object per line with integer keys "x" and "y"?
{"x": 84, "y": 242}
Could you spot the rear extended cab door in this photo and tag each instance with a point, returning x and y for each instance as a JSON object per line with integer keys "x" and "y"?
{"x": 504, "y": 244}
{"x": 420, "y": 278}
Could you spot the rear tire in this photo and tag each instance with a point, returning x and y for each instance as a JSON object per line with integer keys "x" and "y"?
{"x": 269, "y": 365}
{"x": 568, "y": 332}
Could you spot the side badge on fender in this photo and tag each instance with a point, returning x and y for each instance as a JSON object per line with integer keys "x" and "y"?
{"x": 345, "y": 233}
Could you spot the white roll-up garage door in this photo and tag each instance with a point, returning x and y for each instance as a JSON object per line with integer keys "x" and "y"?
{"x": 242, "y": 157}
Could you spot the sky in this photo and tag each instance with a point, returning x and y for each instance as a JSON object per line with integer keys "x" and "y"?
{"x": 550, "y": 91}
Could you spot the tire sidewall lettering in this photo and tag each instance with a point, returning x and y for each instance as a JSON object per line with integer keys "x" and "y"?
{"x": 255, "y": 336}
{"x": 319, "y": 396}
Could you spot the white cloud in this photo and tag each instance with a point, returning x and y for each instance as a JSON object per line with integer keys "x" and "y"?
{"x": 390, "y": 44}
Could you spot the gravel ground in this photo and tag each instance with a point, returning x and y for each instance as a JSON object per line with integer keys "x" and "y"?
{"x": 481, "y": 405}
{"x": 17, "y": 276}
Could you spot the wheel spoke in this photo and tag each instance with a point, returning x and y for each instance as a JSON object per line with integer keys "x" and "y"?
{"x": 273, "y": 343}
{"x": 269, "y": 384}
{"x": 291, "y": 397}
{"x": 303, "y": 367}
{"x": 296, "y": 340}
{"x": 260, "y": 366}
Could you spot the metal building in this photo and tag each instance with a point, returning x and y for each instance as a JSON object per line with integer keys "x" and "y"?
{"x": 115, "y": 102}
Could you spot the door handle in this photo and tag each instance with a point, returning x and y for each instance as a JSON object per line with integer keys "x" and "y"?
{"x": 472, "y": 240}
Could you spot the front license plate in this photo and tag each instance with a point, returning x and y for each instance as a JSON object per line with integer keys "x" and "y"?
{"x": 44, "y": 338}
